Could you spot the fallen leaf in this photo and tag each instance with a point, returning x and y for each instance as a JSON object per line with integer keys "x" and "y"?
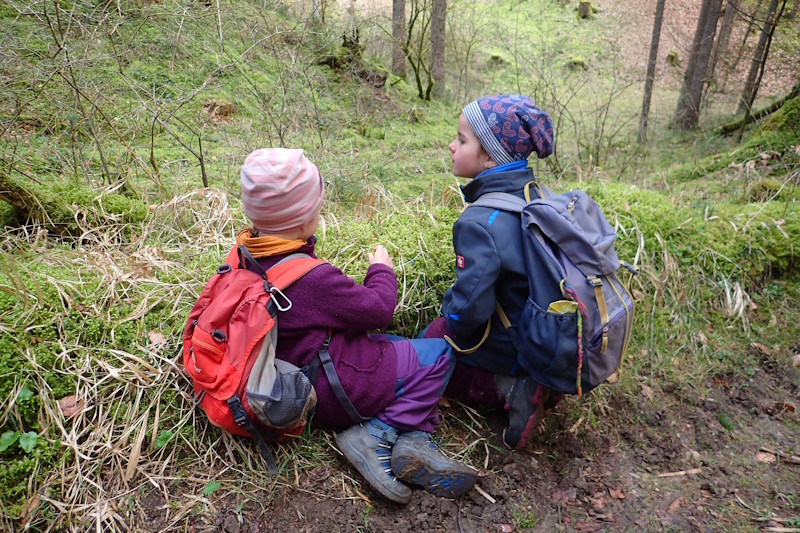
{"x": 761, "y": 348}
{"x": 785, "y": 406}
{"x": 613, "y": 378}
{"x": 157, "y": 338}
{"x": 30, "y": 510}
{"x": 647, "y": 391}
{"x": 722, "y": 383}
{"x": 765, "y": 457}
{"x": 444, "y": 402}
{"x": 583, "y": 525}
{"x": 71, "y": 406}
{"x": 561, "y": 497}
{"x": 796, "y": 360}
{"x": 505, "y": 528}
{"x": 674, "y": 506}
{"x": 617, "y": 494}
{"x": 705, "y": 493}
{"x": 599, "y": 503}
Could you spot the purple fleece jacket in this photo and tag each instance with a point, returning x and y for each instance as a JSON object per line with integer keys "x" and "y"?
{"x": 324, "y": 299}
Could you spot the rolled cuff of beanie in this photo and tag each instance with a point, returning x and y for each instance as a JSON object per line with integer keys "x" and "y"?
{"x": 472, "y": 112}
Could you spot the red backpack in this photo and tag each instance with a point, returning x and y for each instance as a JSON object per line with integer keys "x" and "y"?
{"x": 229, "y": 352}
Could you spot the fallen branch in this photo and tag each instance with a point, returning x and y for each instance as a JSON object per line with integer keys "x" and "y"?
{"x": 681, "y": 473}
{"x": 793, "y": 459}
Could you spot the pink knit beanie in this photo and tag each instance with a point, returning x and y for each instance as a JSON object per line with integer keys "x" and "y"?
{"x": 281, "y": 189}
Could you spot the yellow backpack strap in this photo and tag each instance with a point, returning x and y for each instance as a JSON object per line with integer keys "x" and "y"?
{"x": 472, "y": 350}
{"x": 528, "y": 190}
{"x": 503, "y": 317}
{"x": 597, "y": 283}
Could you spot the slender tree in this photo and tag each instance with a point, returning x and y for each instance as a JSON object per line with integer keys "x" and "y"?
{"x": 760, "y": 55}
{"x": 398, "y": 37}
{"x": 724, "y": 38}
{"x": 438, "y": 17}
{"x": 651, "y": 70}
{"x": 688, "y": 109}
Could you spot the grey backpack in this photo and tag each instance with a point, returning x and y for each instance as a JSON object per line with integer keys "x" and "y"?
{"x": 577, "y": 320}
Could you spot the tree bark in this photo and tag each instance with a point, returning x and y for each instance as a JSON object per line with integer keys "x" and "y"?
{"x": 651, "y": 70}
{"x": 760, "y": 56}
{"x": 438, "y": 17}
{"x": 688, "y": 110}
{"x": 398, "y": 37}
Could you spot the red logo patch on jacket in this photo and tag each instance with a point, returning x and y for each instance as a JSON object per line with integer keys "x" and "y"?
{"x": 460, "y": 263}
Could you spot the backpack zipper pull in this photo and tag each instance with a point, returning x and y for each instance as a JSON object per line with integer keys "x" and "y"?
{"x": 571, "y": 204}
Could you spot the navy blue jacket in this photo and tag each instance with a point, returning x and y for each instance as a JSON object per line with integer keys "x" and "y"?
{"x": 489, "y": 268}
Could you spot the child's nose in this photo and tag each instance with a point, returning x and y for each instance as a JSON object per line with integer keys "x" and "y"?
{"x": 450, "y": 146}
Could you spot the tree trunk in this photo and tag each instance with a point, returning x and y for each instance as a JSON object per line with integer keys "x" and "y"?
{"x": 688, "y": 110}
{"x": 438, "y": 17}
{"x": 760, "y": 56}
{"x": 398, "y": 37}
{"x": 725, "y": 29}
{"x": 651, "y": 70}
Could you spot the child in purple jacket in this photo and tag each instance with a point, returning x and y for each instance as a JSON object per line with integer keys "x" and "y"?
{"x": 393, "y": 382}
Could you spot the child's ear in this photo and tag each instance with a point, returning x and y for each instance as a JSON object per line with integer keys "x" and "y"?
{"x": 486, "y": 160}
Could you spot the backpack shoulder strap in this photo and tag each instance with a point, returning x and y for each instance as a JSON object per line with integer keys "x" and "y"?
{"x": 500, "y": 200}
{"x": 291, "y": 268}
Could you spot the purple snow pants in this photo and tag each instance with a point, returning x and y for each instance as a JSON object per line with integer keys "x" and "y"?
{"x": 424, "y": 367}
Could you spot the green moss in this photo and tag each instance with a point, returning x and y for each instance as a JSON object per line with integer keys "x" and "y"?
{"x": 18, "y": 471}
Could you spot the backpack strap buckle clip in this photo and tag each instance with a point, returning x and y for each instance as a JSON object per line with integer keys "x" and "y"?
{"x": 273, "y": 290}
{"x": 594, "y": 281}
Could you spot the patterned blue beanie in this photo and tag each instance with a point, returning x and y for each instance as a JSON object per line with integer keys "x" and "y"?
{"x": 510, "y": 127}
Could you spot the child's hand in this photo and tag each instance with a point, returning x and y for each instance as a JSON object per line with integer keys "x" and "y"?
{"x": 380, "y": 255}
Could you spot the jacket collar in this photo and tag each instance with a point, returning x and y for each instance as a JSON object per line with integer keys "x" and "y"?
{"x": 512, "y": 181}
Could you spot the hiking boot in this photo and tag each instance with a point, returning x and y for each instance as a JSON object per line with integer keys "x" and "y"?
{"x": 525, "y": 404}
{"x": 368, "y": 447}
{"x": 417, "y": 460}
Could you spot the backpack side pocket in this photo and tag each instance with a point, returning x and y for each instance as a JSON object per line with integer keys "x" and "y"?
{"x": 549, "y": 347}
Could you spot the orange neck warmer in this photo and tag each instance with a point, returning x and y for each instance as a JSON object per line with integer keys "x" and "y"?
{"x": 267, "y": 245}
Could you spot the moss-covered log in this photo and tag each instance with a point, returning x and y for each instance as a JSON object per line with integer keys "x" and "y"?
{"x": 736, "y": 125}
{"x": 59, "y": 206}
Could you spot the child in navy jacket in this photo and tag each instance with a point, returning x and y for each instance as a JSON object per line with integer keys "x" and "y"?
{"x": 496, "y": 135}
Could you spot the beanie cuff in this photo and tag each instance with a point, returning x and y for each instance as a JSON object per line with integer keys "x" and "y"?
{"x": 472, "y": 112}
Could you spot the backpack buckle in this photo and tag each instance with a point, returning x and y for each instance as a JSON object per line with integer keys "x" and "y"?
{"x": 273, "y": 290}
{"x": 594, "y": 281}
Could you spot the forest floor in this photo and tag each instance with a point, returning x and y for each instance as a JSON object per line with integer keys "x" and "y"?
{"x": 662, "y": 460}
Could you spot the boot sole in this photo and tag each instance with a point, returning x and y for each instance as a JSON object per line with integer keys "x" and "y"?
{"x": 359, "y": 462}
{"x": 445, "y": 483}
